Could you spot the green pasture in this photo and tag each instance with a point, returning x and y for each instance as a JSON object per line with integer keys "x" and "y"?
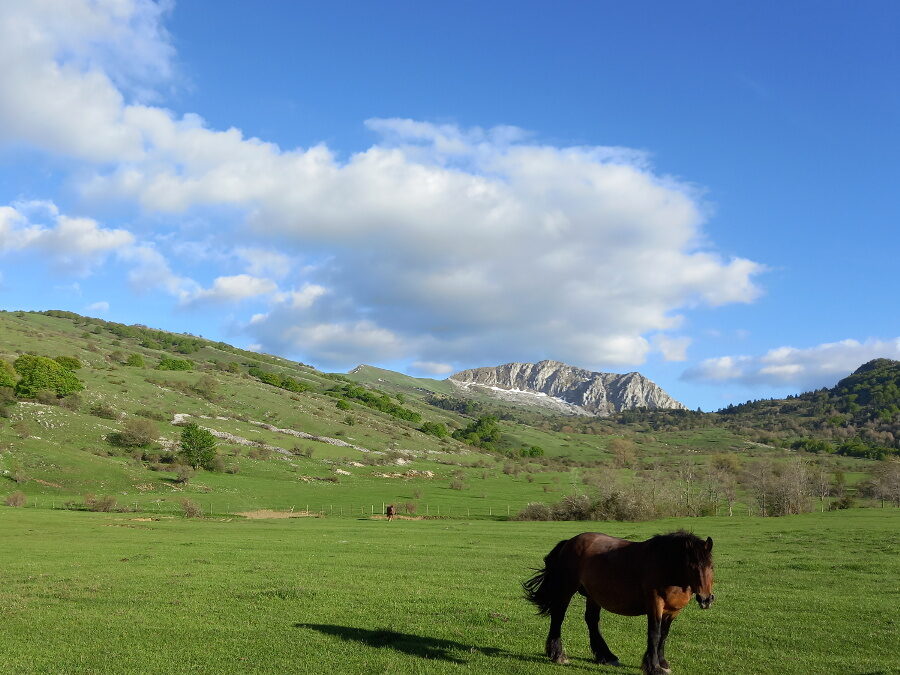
{"x": 119, "y": 593}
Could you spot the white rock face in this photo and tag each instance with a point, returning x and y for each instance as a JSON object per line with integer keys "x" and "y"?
{"x": 569, "y": 389}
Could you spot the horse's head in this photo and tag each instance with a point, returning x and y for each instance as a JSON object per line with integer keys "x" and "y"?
{"x": 704, "y": 585}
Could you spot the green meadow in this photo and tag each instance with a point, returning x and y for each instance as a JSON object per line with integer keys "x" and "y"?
{"x": 86, "y": 592}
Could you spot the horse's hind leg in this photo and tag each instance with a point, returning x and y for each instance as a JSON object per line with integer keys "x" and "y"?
{"x": 554, "y": 646}
{"x": 602, "y": 652}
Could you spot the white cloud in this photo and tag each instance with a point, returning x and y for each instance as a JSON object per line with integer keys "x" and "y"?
{"x": 440, "y": 243}
{"x": 70, "y": 244}
{"x": 101, "y": 306}
{"x": 809, "y": 368}
{"x": 672, "y": 348}
{"x": 432, "y": 367}
{"x": 232, "y": 289}
{"x": 265, "y": 262}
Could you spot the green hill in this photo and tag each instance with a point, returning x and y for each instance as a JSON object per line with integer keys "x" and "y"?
{"x": 291, "y": 437}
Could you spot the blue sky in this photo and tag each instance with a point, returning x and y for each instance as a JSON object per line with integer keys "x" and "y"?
{"x": 703, "y": 192}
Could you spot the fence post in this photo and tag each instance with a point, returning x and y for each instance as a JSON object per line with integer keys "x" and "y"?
{"x": 490, "y": 510}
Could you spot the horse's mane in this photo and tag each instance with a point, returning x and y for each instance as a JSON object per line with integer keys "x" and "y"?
{"x": 681, "y": 548}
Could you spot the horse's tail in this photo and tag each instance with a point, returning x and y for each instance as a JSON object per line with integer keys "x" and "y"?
{"x": 543, "y": 588}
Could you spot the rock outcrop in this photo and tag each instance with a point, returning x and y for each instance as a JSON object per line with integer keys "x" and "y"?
{"x": 566, "y": 388}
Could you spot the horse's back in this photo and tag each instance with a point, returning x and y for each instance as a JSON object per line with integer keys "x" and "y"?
{"x": 607, "y": 571}
{"x": 596, "y": 543}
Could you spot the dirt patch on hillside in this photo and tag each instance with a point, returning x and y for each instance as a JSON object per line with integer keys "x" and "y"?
{"x": 267, "y": 513}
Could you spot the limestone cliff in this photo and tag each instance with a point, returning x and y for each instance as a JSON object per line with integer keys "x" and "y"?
{"x": 569, "y": 389}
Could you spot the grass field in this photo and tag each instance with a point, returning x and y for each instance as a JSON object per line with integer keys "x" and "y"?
{"x": 107, "y": 593}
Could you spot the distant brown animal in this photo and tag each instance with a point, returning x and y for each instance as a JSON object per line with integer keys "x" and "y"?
{"x": 391, "y": 511}
{"x": 656, "y": 577}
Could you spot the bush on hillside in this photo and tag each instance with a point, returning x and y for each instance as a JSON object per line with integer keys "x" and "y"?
{"x": 438, "y": 429}
{"x": 169, "y": 363}
{"x": 17, "y": 499}
{"x": 104, "y": 410}
{"x": 135, "y": 361}
{"x": 38, "y": 373}
{"x": 68, "y": 362}
{"x": 483, "y": 433}
{"x": 136, "y": 433}
{"x": 104, "y": 504}
{"x": 183, "y": 473}
{"x": 191, "y": 509}
{"x": 8, "y": 375}
{"x": 198, "y": 447}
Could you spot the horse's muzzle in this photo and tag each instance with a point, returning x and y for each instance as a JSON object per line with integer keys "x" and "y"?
{"x": 706, "y": 601}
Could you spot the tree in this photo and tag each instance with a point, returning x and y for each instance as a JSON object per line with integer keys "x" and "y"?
{"x": 7, "y": 374}
{"x": 40, "y": 373}
{"x": 483, "y": 433}
{"x": 623, "y": 451}
{"x": 198, "y": 447}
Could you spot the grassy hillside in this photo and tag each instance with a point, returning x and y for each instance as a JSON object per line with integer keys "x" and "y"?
{"x": 291, "y": 436}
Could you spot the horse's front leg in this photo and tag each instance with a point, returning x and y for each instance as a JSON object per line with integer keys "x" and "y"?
{"x": 650, "y": 664}
{"x": 554, "y": 646}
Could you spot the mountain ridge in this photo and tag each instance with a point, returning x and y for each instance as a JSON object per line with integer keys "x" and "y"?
{"x": 574, "y": 390}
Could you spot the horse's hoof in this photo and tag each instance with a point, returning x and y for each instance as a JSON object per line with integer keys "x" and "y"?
{"x": 607, "y": 661}
{"x": 561, "y": 660}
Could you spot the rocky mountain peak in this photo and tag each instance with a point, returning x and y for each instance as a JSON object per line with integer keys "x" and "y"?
{"x": 569, "y": 388}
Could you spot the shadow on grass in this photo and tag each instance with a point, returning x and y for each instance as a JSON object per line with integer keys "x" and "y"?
{"x": 424, "y": 647}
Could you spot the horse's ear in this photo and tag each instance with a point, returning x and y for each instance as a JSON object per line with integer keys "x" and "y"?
{"x": 709, "y": 543}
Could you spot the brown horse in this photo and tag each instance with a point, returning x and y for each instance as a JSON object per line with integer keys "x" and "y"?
{"x": 390, "y": 512}
{"x": 656, "y": 577}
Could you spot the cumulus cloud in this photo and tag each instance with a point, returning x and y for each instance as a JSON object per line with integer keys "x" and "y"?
{"x": 809, "y": 368}
{"x": 672, "y": 348}
{"x": 439, "y": 243}
{"x": 99, "y": 307}
{"x": 232, "y": 289}
{"x": 432, "y": 367}
{"x": 70, "y": 244}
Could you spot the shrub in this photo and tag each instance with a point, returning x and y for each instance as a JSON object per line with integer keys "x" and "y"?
{"x": 39, "y": 373}
{"x": 71, "y": 402}
{"x": 845, "y": 502}
{"x": 7, "y": 374}
{"x": 16, "y": 499}
{"x": 135, "y": 360}
{"x": 483, "y": 433}
{"x": 535, "y": 511}
{"x": 191, "y": 509}
{"x": 46, "y": 397}
{"x": 457, "y": 484}
{"x": 207, "y": 387}
{"x": 342, "y": 404}
{"x": 104, "y": 410}
{"x": 152, "y": 414}
{"x": 136, "y": 433}
{"x": 169, "y": 363}
{"x": 104, "y": 504}
{"x": 68, "y": 362}
{"x": 198, "y": 446}
{"x": 533, "y": 451}
{"x": 434, "y": 429}
{"x": 411, "y": 507}
{"x": 183, "y": 473}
